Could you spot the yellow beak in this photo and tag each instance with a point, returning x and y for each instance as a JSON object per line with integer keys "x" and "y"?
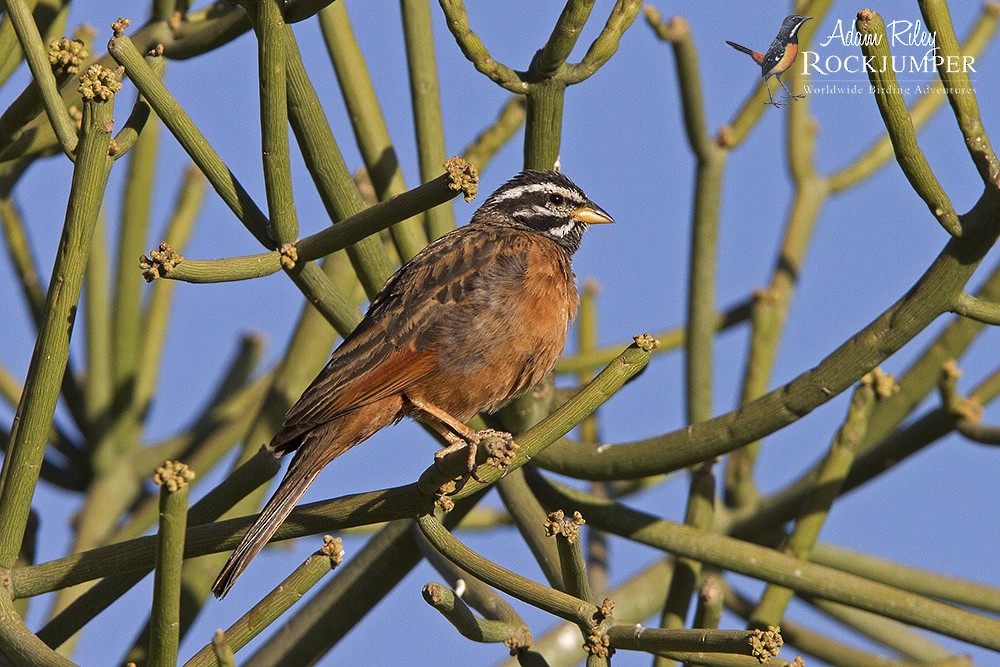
{"x": 592, "y": 215}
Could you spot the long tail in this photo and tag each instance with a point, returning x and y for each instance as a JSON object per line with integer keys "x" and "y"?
{"x": 300, "y": 475}
{"x": 740, "y": 47}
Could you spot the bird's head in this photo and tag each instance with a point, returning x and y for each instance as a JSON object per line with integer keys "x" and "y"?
{"x": 546, "y": 202}
{"x": 790, "y": 26}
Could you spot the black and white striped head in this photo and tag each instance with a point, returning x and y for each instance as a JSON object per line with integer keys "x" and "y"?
{"x": 546, "y": 202}
{"x": 789, "y": 32}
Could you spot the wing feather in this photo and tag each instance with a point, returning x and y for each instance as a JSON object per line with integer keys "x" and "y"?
{"x": 391, "y": 348}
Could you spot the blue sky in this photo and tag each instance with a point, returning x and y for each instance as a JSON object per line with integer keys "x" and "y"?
{"x": 624, "y": 144}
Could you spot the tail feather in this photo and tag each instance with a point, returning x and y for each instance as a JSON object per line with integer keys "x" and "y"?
{"x": 740, "y": 47}
{"x": 298, "y": 478}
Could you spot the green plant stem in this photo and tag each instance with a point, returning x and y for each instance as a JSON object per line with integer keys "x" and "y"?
{"x": 774, "y": 567}
{"x": 11, "y": 54}
{"x": 700, "y": 514}
{"x": 916, "y": 580}
{"x": 892, "y": 634}
{"x": 156, "y": 314}
{"x": 543, "y": 124}
{"x": 711, "y": 162}
{"x": 475, "y": 51}
{"x": 249, "y": 476}
{"x": 977, "y": 309}
{"x": 928, "y": 298}
{"x": 359, "y": 226}
{"x": 21, "y": 259}
{"x": 958, "y": 86}
{"x": 678, "y": 33}
{"x": 814, "y": 512}
{"x": 708, "y": 613}
{"x": 126, "y": 311}
{"x": 223, "y": 651}
{"x": 210, "y": 446}
{"x": 25, "y": 108}
{"x": 815, "y": 644}
{"x": 597, "y": 548}
{"x": 10, "y": 390}
{"x": 639, "y": 597}
{"x": 627, "y": 636}
{"x": 328, "y": 170}
{"x": 491, "y": 139}
{"x": 880, "y": 151}
{"x": 369, "y": 124}
{"x": 977, "y": 432}
{"x": 167, "y": 109}
{"x": 357, "y": 587}
{"x": 230, "y": 406}
{"x": 771, "y": 305}
{"x": 201, "y": 31}
{"x": 572, "y": 608}
{"x": 453, "y": 608}
{"x": 48, "y": 362}
{"x": 769, "y": 315}
{"x": 670, "y": 339}
{"x": 892, "y": 107}
{"x": 700, "y": 327}
{"x": 528, "y": 516}
{"x": 64, "y": 475}
{"x": 97, "y": 332}
{"x": 19, "y": 645}
{"x": 354, "y": 510}
{"x": 563, "y": 38}
{"x": 555, "y": 602}
{"x": 19, "y": 14}
{"x": 620, "y": 18}
{"x": 419, "y": 36}
{"x": 883, "y": 447}
{"x": 270, "y": 27}
{"x": 477, "y": 594}
{"x": 339, "y": 310}
{"x": 573, "y": 566}
{"x": 165, "y": 639}
{"x": 25, "y": 266}
{"x": 275, "y": 603}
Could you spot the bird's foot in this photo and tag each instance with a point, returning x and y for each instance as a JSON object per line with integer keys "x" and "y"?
{"x": 776, "y": 105}
{"x": 794, "y": 97}
{"x": 500, "y": 454}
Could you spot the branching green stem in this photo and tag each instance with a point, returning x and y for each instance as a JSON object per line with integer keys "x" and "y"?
{"x": 275, "y": 603}
{"x": 889, "y": 97}
{"x": 48, "y": 362}
{"x": 954, "y": 72}
{"x": 969, "y": 306}
{"x": 342, "y": 235}
{"x": 763, "y": 563}
{"x": 19, "y": 14}
{"x": 173, "y": 478}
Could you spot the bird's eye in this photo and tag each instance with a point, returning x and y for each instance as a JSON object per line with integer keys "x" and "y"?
{"x": 556, "y": 199}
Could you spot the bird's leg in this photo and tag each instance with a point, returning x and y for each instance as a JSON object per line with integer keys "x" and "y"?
{"x": 455, "y": 432}
{"x": 794, "y": 97}
{"x": 777, "y": 105}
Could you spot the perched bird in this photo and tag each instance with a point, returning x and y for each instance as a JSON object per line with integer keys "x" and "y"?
{"x": 476, "y": 318}
{"x": 780, "y": 55}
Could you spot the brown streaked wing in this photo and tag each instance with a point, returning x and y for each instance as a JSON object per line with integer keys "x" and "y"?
{"x": 382, "y": 356}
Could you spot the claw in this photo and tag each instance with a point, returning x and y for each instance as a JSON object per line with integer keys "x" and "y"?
{"x": 501, "y": 454}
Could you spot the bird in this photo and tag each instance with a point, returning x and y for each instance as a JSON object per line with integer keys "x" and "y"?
{"x": 780, "y": 55}
{"x": 472, "y": 321}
